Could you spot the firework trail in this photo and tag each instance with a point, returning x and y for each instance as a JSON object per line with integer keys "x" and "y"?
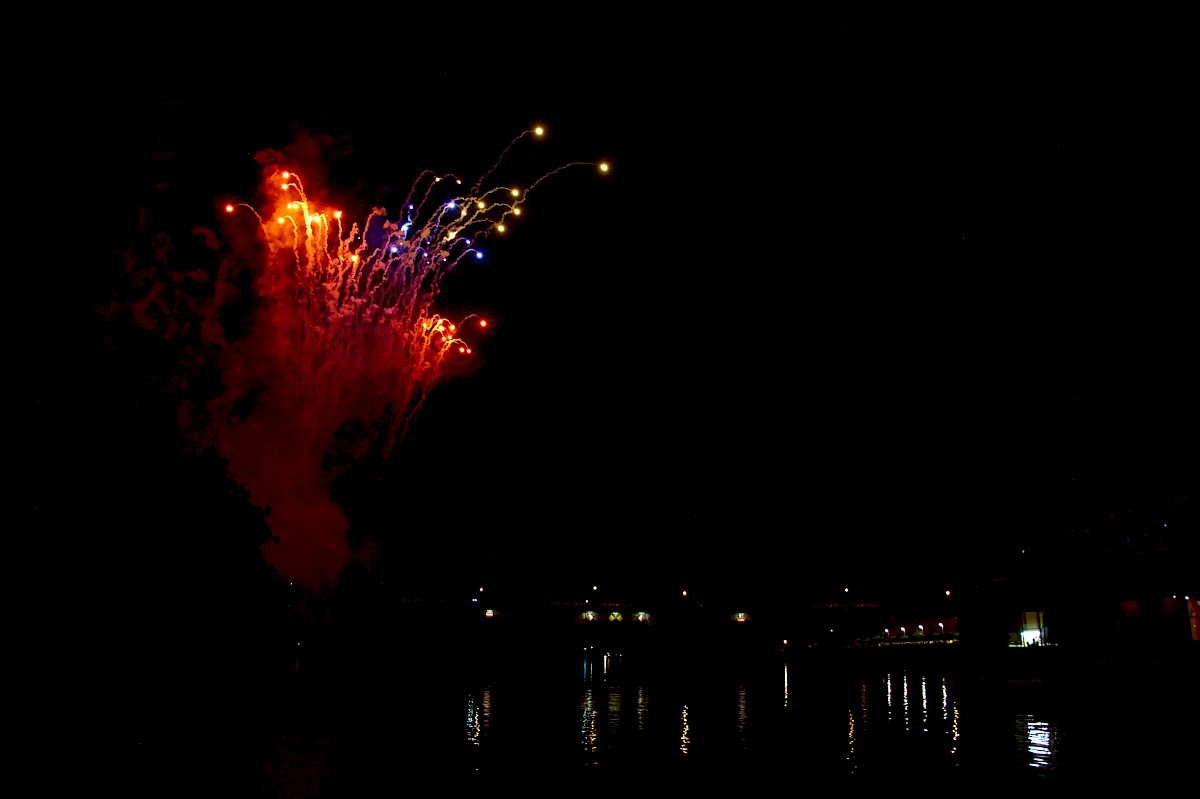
{"x": 342, "y": 345}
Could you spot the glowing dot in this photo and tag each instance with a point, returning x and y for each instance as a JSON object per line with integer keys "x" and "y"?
{"x": 499, "y": 228}
{"x": 481, "y": 205}
{"x": 462, "y": 349}
{"x": 603, "y": 167}
{"x": 539, "y": 130}
{"x": 337, "y": 214}
{"x": 478, "y": 256}
{"x": 516, "y": 193}
{"x": 280, "y": 220}
{"x": 516, "y": 212}
{"x": 229, "y": 209}
{"x": 483, "y": 323}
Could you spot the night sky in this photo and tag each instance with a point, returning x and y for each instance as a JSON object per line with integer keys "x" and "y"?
{"x": 849, "y": 309}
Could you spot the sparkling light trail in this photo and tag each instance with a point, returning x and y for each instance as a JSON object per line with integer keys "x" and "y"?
{"x": 343, "y": 343}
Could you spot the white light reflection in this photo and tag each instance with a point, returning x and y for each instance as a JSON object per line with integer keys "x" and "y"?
{"x": 924, "y": 704}
{"x": 479, "y": 713}
{"x": 887, "y": 692}
{"x": 643, "y": 708}
{"x": 785, "y": 685}
{"x": 904, "y": 702}
{"x": 684, "y": 739}
{"x": 1038, "y": 739}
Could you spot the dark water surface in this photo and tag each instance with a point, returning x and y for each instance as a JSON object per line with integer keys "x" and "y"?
{"x": 591, "y": 723}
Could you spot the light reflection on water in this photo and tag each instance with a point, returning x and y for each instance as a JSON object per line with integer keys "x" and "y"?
{"x": 777, "y": 717}
{"x": 479, "y": 708}
{"x": 1038, "y": 741}
{"x": 887, "y": 719}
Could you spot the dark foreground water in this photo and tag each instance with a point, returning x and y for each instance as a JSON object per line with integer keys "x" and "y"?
{"x": 594, "y": 723}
